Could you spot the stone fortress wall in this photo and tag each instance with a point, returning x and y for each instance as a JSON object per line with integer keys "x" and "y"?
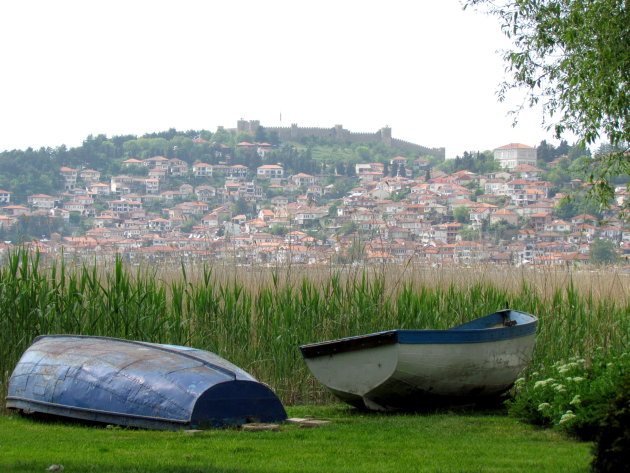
{"x": 338, "y": 133}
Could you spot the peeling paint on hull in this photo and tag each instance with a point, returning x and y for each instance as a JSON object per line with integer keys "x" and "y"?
{"x": 137, "y": 384}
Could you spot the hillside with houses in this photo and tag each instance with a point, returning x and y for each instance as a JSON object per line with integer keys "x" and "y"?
{"x": 400, "y": 209}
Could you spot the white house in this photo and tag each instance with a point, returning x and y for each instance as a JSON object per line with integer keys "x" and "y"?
{"x": 202, "y": 169}
{"x": 270, "y": 171}
{"x": 514, "y": 154}
{"x": 41, "y": 201}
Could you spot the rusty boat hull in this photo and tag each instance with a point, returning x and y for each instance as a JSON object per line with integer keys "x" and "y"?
{"x": 137, "y": 384}
{"x": 418, "y": 369}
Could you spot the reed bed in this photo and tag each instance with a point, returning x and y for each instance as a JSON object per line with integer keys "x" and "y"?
{"x": 257, "y": 317}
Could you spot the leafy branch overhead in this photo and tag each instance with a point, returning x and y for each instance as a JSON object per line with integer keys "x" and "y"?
{"x": 572, "y": 57}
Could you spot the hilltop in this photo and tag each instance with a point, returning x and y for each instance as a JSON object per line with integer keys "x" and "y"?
{"x": 248, "y": 195}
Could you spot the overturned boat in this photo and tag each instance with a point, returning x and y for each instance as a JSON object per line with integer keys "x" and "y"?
{"x": 137, "y": 384}
{"x": 416, "y": 369}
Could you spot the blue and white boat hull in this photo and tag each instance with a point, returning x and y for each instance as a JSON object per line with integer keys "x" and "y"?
{"x": 137, "y": 384}
{"x": 413, "y": 369}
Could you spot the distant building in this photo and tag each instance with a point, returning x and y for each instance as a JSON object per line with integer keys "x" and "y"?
{"x": 132, "y": 162}
{"x": 270, "y": 171}
{"x": 515, "y": 154}
{"x": 90, "y": 176}
{"x": 202, "y": 170}
{"x": 69, "y": 176}
{"x": 41, "y": 201}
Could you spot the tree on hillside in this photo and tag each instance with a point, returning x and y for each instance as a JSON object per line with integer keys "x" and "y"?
{"x": 469, "y": 234}
{"x": 603, "y": 252}
{"x": 461, "y": 214}
{"x": 242, "y": 136}
{"x": 31, "y": 227}
{"x": 364, "y": 153}
{"x": 569, "y": 208}
{"x": 241, "y": 207}
{"x": 476, "y": 162}
{"x": 356, "y": 251}
{"x": 167, "y": 135}
{"x": 30, "y": 172}
{"x": 545, "y": 152}
{"x": 573, "y": 58}
{"x": 501, "y": 230}
{"x": 261, "y": 135}
{"x": 221, "y": 136}
{"x": 273, "y": 138}
{"x": 578, "y": 150}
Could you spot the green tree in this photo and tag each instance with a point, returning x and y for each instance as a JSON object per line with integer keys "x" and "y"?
{"x": 578, "y": 166}
{"x": 241, "y": 207}
{"x": 347, "y": 228}
{"x": 261, "y": 135}
{"x": 221, "y": 136}
{"x": 341, "y": 187}
{"x": 461, "y": 214}
{"x": 578, "y": 205}
{"x": 31, "y": 227}
{"x": 545, "y": 152}
{"x": 278, "y": 230}
{"x": 573, "y": 58}
{"x": 273, "y": 138}
{"x": 578, "y": 150}
{"x": 364, "y": 153}
{"x": 189, "y": 224}
{"x": 356, "y": 252}
{"x": 401, "y": 194}
{"x": 501, "y": 230}
{"x": 602, "y": 252}
{"x": 469, "y": 234}
{"x": 242, "y": 136}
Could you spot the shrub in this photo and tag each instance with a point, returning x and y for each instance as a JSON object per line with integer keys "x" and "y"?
{"x": 613, "y": 443}
{"x": 574, "y": 395}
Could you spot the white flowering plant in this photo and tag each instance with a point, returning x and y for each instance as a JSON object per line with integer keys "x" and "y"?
{"x": 572, "y": 395}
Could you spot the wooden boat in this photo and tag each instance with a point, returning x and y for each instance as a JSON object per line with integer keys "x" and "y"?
{"x": 137, "y": 384}
{"x": 415, "y": 369}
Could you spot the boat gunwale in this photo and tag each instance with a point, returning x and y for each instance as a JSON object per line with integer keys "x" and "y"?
{"x": 56, "y": 406}
{"x": 460, "y": 334}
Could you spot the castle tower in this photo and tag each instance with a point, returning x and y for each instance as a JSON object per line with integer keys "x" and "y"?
{"x": 241, "y": 126}
{"x": 245, "y": 126}
{"x": 339, "y": 132}
{"x": 386, "y": 135}
{"x": 253, "y": 126}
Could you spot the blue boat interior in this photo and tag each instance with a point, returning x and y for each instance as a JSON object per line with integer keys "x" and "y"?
{"x": 502, "y": 325}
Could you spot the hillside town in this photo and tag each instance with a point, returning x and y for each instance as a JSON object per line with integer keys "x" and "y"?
{"x": 401, "y": 211}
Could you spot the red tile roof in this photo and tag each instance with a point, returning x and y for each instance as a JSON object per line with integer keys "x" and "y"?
{"x": 515, "y": 145}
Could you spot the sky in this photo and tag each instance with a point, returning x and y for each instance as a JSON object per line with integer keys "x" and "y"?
{"x": 426, "y": 68}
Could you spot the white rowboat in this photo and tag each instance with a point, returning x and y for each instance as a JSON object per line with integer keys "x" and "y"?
{"x": 415, "y": 369}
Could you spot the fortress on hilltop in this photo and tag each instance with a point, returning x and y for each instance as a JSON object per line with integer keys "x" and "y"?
{"x": 339, "y": 134}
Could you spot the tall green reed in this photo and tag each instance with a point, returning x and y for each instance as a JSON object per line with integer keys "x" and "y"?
{"x": 258, "y": 322}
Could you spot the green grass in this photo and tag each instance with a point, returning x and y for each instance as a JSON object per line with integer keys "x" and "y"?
{"x": 466, "y": 442}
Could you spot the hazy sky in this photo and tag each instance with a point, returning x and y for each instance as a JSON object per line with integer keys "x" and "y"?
{"x": 424, "y": 67}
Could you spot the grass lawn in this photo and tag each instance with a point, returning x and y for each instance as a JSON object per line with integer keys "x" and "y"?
{"x": 450, "y": 443}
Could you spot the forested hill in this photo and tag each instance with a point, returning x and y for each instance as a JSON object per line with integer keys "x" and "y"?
{"x": 27, "y": 172}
